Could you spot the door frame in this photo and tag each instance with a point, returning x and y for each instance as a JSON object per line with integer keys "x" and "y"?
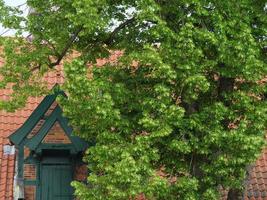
{"x": 70, "y": 159}
{"x": 54, "y": 165}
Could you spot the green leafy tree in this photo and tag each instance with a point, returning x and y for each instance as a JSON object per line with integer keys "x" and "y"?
{"x": 180, "y": 114}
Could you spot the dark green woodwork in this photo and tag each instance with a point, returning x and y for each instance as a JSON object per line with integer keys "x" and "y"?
{"x": 20, "y": 161}
{"x": 55, "y": 175}
{"x": 31, "y": 122}
{"x": 55, "y": 182}
{"x": 30, "y": 182}
{"x": 20, "y": 134}
{"x": 36, "y": 141}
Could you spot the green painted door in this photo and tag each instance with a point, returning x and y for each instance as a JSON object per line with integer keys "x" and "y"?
{"x": 55, "y": 182}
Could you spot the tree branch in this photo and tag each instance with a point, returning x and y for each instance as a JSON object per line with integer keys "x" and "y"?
{"x": 108, "y": 41}
{"x": 112, "y": 35}
{"x": 36, "y": 68}
{"x": 63, "y": 53}
{"x": 65, "y": 50}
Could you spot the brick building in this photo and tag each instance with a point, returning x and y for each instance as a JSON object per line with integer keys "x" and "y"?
{"x": 39, "y": 155}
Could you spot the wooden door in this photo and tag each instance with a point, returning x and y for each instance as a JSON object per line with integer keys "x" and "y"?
{"x": 55, "y": 182}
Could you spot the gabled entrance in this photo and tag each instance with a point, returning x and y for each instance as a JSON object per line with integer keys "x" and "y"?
{"x": 49, "y": 155}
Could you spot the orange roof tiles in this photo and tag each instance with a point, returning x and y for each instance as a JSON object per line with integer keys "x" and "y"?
{"x": 256, "y": 185}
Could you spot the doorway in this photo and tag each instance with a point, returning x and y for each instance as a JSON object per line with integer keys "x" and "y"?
{"x": 56, "y": 175}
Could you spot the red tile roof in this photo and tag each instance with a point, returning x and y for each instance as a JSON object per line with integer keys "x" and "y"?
{"x": 257, "y": 182}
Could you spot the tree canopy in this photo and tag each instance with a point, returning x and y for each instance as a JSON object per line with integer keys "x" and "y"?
{"x": 179, "y": 115}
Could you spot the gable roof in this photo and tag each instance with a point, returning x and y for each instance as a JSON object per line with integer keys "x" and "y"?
{"x": 32, "y": 120}
{"x": 33, "y": 143}
{"x": 256, "y": 185}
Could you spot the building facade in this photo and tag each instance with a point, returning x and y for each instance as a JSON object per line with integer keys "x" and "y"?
{"x": 40, "y": 156}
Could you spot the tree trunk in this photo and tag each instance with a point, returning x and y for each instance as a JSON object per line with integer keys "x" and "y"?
{"x": 225, "y": 85}
{"x": 234, "y": 194}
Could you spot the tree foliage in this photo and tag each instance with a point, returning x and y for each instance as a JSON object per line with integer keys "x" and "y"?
{"x": 179, "y": 115}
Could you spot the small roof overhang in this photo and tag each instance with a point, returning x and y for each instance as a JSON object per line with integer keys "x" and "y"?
{"x": 19, "y": 137}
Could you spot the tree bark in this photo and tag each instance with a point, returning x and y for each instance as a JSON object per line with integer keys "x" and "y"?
{"x": 226, "y": 85}
{"x": 234, "y": 194}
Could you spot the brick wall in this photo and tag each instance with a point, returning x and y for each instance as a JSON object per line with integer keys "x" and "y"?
{"x": 29, "y": 193}
{"x": 51, "y": 109}
{"x": 26, "y": 152}
{"x": 36, "y": 128}
{"x": 56, "y": 135}
{"x": 29, "y": 171}
{"x": 80, "y": 173}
